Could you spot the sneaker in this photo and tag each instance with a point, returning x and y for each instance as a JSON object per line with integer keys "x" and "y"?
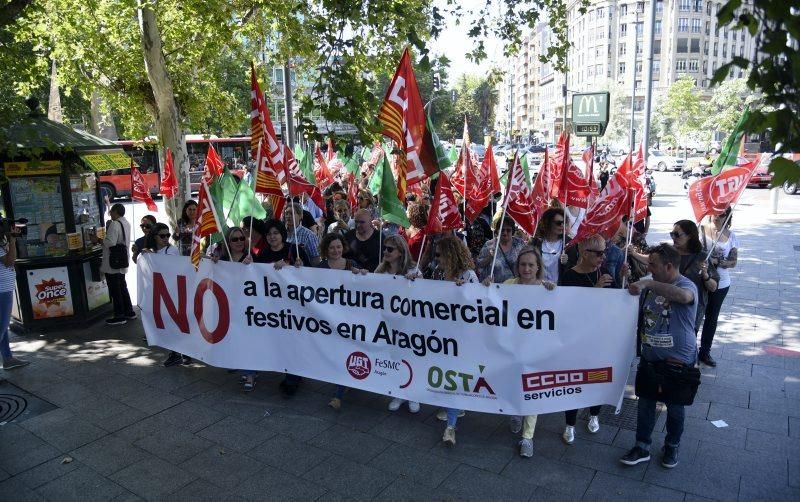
{"x": 442, "y": 414}
{"x": 449, "y": 436}
{"x": 526, "y": 448}
{"x": 594, "y": 424}
{"x": 173, "y": 359}
{"x": 288, "y": 389}
{"x": 569, "y": 434}
{"x": 131, "y": 316}
{"x": 413, "y": 407}
{"x": 635, "y": 456}
{"x": 116, "y": 321}
{"x": 249, "y": 384}
{"x": 708, "y": 360}
{"x": 670, "y": 458}
{"x": 395, "y": 404}
{"x": 186, "y": 360}
{"x": 12, "y": 363}
{"x": 515, "y": 424}
{"x": 335, "y": 403}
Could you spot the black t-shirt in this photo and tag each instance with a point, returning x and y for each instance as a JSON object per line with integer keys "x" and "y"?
{"x": 288, "y": 254}
{"x": 366, "y": 253}
{"x": 308, "y": 220}
{"x": 571, "y": 278}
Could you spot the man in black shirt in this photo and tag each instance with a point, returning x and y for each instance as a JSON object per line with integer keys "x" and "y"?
{"x": 364, "y": 241}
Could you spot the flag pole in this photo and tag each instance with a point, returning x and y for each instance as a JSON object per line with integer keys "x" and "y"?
{"x": 716, "y": 239}
{"x": 497, "y": 240}
{"x": 629, "y": 236}
{"x": 216, "y": 216}
{"x": 380, "y": 224}
{"x": 294, "y": 227}
{"x": 421, "y": 249}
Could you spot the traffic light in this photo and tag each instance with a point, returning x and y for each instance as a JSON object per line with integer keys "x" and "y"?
{"x": 436, "y": 82}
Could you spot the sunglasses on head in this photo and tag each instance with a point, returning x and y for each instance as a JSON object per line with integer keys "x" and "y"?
{"x": 237, "y": 239}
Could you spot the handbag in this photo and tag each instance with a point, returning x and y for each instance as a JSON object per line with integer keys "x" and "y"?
{"x": 667, "y": 381}
{"x": 118, "y": 253}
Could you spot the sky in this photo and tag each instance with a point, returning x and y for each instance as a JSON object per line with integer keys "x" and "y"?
{"x": 454, "y": 43}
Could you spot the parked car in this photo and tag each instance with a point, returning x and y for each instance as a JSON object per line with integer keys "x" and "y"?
{"x": 117, "y": 183}
{"x": 762, "y": 177}
{"x": 658, "y": 160}
{"x": 479, "y": 151}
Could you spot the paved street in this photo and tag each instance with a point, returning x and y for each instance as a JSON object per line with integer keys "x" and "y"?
{"x": 105, "y": 420}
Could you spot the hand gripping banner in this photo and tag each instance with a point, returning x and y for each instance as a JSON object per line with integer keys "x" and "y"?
{"x": 505, "y": 349}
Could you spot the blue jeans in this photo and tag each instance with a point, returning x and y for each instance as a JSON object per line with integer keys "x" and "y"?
{"x": 6, "y": 300}
{"x": 452, "y": 416}
{"x": 646, "y": 420}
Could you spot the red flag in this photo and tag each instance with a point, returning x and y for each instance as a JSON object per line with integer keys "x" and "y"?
{"x": 540, "y": 195}
{"x": 464, "y": 177}
{"x": 214, "y": 165}
{"x": 330, "y": 154}
{"x": 559, "y": 167}
{"x": 169, "y": 185}
{"x": 403, "y": 119}
{"x": 443, "y": 214}
{"x": 266, "y": 181}
{"x": 632, "y": 178}
{"x": 297, "y": 183}
{"x": 518, "y": 200}
{"x": 486, "y": 185}
{"x": 321, "y": 172}
{"x": 262, "y": 130}
{"x": 713, "y": 194}
{"x": 574, "y": 189}
{"x": 614, "y": 202}
{"x": 139, "y": 189}
{"x": 207, "y": 222}
{"x": 352, "y": 191}
{"x": 588, "y": 160}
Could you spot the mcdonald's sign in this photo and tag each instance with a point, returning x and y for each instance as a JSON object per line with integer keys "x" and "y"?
{"x": 590, "y": 113}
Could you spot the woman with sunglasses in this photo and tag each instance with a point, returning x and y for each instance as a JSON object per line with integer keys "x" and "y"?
{"x": 397, "y": 260}
{"x": 725, "y": 256}
{"x": 694, "y": 265}
{"x": 455, "y": 261}
{"x": 550, "y": 242}
{"x": 237, "y": 244}
{"x": 588, "y": 273}
{"x": 147, "y": 223}
{"x": 507, "y": 252}
{"x": 185, "y": 231}
{"x": 529, "y": 272}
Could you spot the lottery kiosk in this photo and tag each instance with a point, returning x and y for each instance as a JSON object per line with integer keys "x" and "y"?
{"x": 50, "y": 195}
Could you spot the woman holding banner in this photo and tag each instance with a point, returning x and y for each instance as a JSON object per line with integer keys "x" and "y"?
{"x": 185, "y": 231}
{"x": 455, "y": 261}
{"x": 530, "y": 272}
{"x": 397, "y": 260}
{"x": 550, "y": 241}
{"x": 725, "y": 254}
{"x": 509, "y": 249}
{"x": 237, "y": 244}
{"x": 277, "y": 250}
{"x": 588, "y": 274}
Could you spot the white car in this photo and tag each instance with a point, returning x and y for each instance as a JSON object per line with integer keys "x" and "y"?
{"x": 658, "y": 160}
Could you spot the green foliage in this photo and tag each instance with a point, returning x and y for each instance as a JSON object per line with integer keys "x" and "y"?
{"x": 727, "y": 104}
{"x": 774, "y": 73}
{"x": 681, "y": 109}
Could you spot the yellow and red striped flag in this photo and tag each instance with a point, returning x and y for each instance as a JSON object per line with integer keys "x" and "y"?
{"x": 263, "y": 132}
{"x": 207, "y": 222}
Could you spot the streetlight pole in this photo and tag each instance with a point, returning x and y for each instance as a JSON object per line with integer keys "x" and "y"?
{"x": 633, "y": 87}
{"x": 648, "y": 97}
{"x": 287, "y": 96}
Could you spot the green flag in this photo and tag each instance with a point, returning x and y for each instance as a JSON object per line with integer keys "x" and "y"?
{"x": 307, "y": 166}
{"x": 730, "y": 152}
{"x": 352, "y": 166}
{"x": 442, "y": 158}
{"x": 222, "y": 191}
{"x": 453, "y": 155}
{"x": 523, "y": 161}
{"x": 298, "y": 152}
{"x": 382, "y": 183}
{"x": 245, "y": 204}
{"x": 366, "y": 153}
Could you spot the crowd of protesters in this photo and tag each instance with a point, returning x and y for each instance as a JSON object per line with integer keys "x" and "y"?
{"x": 682, "y": 285}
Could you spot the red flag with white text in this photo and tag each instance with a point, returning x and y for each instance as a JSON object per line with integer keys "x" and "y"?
{"x": 139, "y": 189}
{"x": 297, "y": 183}
{"x": 714, "y": 194}
{"x": 322, "y": 174}
{"x": 169, "y": 185}
{"x": 262, "y": 130}
{"x": 214, "y": 165}
{"x": 588, "y": 160}
{"x": 540, "y": 196}
{"x": 559, "y": 166}
{"x": 518, "y": 200}
{"x": 443, "y": 214}
{"x": 486, "y": 185}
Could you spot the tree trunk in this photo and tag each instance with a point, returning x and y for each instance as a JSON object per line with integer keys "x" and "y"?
{"x": 54, "y": 105}
{"x": 167, "y": 117}
{"x": 102, "y": 121}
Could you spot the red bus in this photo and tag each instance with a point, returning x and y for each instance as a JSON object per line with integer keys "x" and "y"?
{"x": 234, "y": 151}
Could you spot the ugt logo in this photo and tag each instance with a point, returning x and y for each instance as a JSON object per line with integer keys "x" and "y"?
{"x": 358, "y": 365}
{"x": 458, "y": 381}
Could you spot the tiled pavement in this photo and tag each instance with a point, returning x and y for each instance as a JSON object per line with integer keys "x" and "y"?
{"x": 122, "y": 427}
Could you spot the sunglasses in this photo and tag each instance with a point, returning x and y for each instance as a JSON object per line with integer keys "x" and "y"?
{"x": 596, "y": 252}
{"x": 676, "y": 235}
{"x": 144, "y": 226}
{"x": 164, "y": 236}
{"x": 237, "y": 239}
{"x": 558, "y": 222}
{"x": 361, "y": 222}
{"x": 388, "y": 249}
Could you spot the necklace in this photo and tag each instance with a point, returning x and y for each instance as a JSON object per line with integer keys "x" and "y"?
{"x": 593, "y": 281}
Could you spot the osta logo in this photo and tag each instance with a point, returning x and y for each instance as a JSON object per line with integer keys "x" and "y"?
{"x": 358, "y": 365}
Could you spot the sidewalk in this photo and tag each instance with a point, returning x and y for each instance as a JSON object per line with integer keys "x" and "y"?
{"x": 104, "y": 420}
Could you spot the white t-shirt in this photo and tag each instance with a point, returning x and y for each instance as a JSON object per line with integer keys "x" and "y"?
{"x": 722, "y": 250}
{"x": 469, "y": 276}
{"x": 7, "y": 274}
{"x": 169, "y": 250}
{"x": 551, "y": 256}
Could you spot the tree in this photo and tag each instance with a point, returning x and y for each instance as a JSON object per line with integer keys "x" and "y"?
{"x": 619, "y": 123}
{"x": 773, "y": 71}
{"x": 682, "y": 109}
{"x": 486, "y": 98}
{"x": 727, "y": 104}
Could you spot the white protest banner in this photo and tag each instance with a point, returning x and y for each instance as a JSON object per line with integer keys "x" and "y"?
{"x": 501, "y": 349}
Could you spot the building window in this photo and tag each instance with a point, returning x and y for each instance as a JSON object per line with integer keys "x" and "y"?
{"x": 638, "y": 67}
{"x": 639, "y": 48}
{"x": 741, "y": 50}
{"x": 656, "y": 67}
{"x": 639, "y": 30}
{"x": 685, "y": 5}
{"x": 683, "y": 46}
{"x": 716, "y": 48}
{"x": 724, "y": 50}
{"x": 705, "y": 66}
{"x": 656, "y": 46}
{"x": 683, "y": 24}
{"x": 622, "y": 68}
{"x": 657, "y": 27}
{"x": 623, "y": 10}
{"x": 694, "y": 65}
{"x": 623, "y": 30}
{"x": 708, "y": 28}
{"x": 705, "y": 47}
{"x": 640, "y": 7}
{"x": 601, "y": 13}
{"x": 742, "y": 37}
{"x": 680, "y": 65}
{"x": 741, "y": 73}
{"x": 708, "y": 8}
{"x": 695, "y": 26}
{"x": 622, "y": 49}
{"x": 695, "y": 45}
{"x": 698, "y": 5}
{"x": 659, "y": 7}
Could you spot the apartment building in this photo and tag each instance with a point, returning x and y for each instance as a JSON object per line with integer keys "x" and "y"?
{"x": 609, "y": 52}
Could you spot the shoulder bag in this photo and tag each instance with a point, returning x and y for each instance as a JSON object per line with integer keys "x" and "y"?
{"x": 118, "y": 253}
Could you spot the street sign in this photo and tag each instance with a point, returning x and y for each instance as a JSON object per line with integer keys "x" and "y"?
{"x": 590, "y": 113}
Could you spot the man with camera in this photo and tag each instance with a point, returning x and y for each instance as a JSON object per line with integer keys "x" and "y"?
{"x": 115, "y": 265}
{"x": 8, "y": 255}
{"x": 666, "y": 369}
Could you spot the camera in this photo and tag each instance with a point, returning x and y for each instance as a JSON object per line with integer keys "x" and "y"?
{"x": 17, "y": 227}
